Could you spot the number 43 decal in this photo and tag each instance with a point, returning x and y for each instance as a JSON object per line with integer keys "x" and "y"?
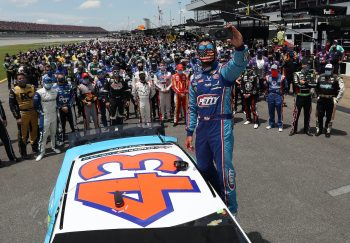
{"x": 152, "y": 189}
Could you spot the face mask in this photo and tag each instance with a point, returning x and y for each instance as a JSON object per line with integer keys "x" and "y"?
{"x": 61, "y": 80}
{"x": 85, "y": 81}
{"x": 180, "y": 72}
{"x": 328, "y": 72}
{"x": 274, "y": 73}
{"x": 207, "y": 55}
{"x": 142, "y": 79}
{"x": 259, "y": 56}
{"x": 162, "y": 68}
{"x": 22, "y": 83}
{"x": 48, "y": 86}
{"x": 306, "y": 69}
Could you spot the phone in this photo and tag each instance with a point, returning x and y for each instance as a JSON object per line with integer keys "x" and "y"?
{"x": 221, "y": 34}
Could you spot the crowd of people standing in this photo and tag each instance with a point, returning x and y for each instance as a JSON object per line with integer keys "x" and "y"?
{"x": 101, "y": 80}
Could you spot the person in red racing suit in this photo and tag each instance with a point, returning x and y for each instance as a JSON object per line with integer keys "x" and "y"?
{"x": 180, "y": 87}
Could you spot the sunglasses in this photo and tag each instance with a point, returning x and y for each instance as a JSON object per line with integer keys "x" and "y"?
{"x": 205, "y": 47}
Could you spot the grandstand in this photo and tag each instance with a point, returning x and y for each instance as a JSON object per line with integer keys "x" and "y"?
{"x": 11, "y": 26}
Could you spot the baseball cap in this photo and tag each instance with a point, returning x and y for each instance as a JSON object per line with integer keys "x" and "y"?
{"x": 329, "y": 66}
{"x": 85, "y": 75}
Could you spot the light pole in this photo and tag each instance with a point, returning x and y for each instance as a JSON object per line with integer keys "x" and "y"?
{"x": 180, "y": 12}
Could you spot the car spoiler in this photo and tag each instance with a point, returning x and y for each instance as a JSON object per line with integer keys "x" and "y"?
{"x": 114, "y": 132}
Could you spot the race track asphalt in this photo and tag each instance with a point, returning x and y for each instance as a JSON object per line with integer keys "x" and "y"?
{"x": 282, "y": 183}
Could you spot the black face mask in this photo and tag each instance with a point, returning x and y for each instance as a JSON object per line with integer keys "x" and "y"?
{"x": 259, "y": 56}
{"x": 61, "y": 80}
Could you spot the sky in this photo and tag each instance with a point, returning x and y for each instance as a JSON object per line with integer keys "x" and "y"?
{"x": 108, "y": 14}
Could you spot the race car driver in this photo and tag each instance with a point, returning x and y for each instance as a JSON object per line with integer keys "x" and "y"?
{"x": 163, "y": 85}
{"x": 116, "y": 98}
{"x": 304, "y": 81}
{"x": 180, "y": 87}
{"x": 4, "y": 136}
{"x": 65, "y": 95}
{"x": 275, "y": 83}
{"x": 329, "y": 89}
{"x": 143, "y": 92}
{"x": 210, "y": 105}
{"x": 86, "y": 93}
{"x": 45, "y": 103}
{"x": 249, "y": 89}
{"x": 21, "y": 105}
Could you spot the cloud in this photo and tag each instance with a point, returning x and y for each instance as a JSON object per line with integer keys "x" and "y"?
{"x": 90, "y": 4}
{"x": 23, "y": 3}
{"x": 42, "y": 21}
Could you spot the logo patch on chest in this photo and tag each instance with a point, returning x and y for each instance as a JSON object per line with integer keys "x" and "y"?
{"x": 207, "y": 100}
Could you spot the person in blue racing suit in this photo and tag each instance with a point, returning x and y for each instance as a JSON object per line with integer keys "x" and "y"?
{"x": 210, "y": 104}
{"x": 65, "y": 101}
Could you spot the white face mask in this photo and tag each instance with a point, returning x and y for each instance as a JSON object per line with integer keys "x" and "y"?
{"x": 328, "y": 72}
{"x": 48, "y": 86}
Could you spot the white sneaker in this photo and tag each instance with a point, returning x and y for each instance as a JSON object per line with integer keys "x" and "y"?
{"x": 280, "y": 129}
{"x": 57, "y": 151}
{"x": 40, "y": 156}
{"x": 247, "y": 122}
{"x": 268, "y": 127}
{"x": 256, "y": 126}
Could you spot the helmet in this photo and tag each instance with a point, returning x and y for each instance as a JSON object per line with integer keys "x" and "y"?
{"x": 48, "y": 82}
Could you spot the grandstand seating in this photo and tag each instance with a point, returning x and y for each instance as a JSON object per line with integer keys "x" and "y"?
{"x": 11, "y": 26}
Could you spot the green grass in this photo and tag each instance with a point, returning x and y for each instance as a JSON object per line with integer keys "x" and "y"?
{"x": 14, "y": 49}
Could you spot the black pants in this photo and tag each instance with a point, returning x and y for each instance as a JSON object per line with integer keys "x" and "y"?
{"x": 67, "y": 117}
{"x": 130, "y": 97}
{"x": 238, "y": 93}
{"x": 335, "y": 64}
{"x": 103, "y": 112}
{"x": 302, "y": 102}
{"x": 155, "y": 106}
{"x": 117, "y": 111}
{"x": 324, "y": 107}
{"x": 289, "y": 83}
{"x": 7, "y": 142}
{"x": 10, "y": 78}
{"x": 250, "y": 107}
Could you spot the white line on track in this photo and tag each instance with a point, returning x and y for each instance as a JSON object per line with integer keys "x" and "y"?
{"x": 339, "y": 191}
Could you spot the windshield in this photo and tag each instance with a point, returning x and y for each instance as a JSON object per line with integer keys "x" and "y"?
{"x": 114, "y": 132}
{"x": 214, "y": 228}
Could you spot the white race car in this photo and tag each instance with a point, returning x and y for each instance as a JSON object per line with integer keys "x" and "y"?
{"x": 141, "y": 188}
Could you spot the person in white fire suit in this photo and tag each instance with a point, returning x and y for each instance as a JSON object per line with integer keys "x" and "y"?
{"x": 143, "y": 92}
{"x": 45, "y": 103}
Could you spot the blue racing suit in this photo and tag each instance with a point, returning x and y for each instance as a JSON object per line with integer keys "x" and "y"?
{"x": 275, "y": 88}
{"x": 210, "y": 106}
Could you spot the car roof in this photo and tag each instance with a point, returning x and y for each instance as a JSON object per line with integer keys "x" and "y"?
{"x": 154, "y": 193}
